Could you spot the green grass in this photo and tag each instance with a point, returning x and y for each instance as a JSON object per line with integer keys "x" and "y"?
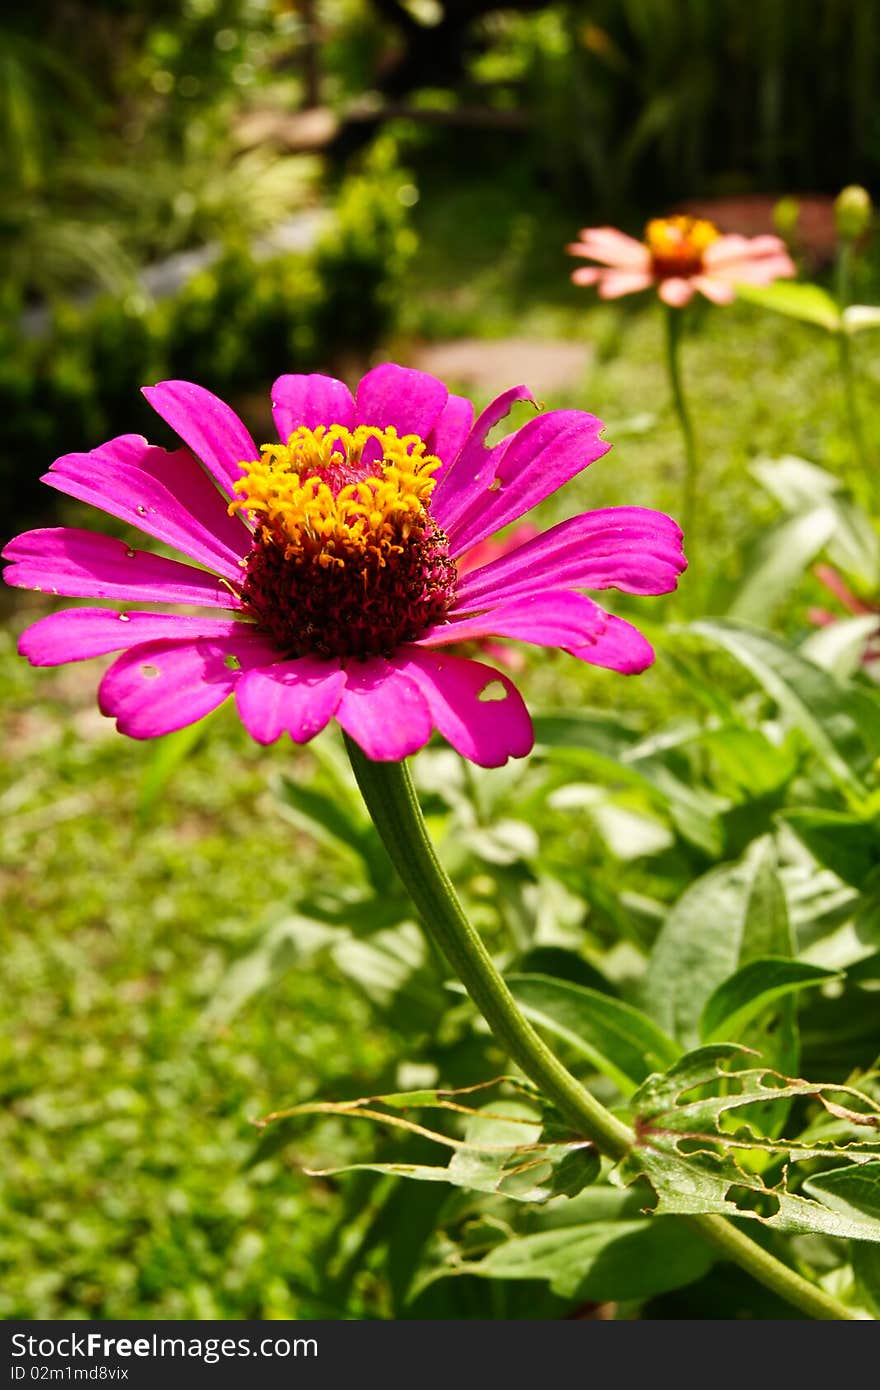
{"x": 126, "y": 1118}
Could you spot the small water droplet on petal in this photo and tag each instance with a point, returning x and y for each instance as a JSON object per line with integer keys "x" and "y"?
{"x": 129, "y": 553}
{"x": 124, "y": 617}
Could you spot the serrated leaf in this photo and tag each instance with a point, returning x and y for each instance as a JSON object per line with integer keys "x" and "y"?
{"x": 698, "y": 1162}
{"x": 853, "y": 1192}
{"x": 613, "y": 1037}
{"x": 746, "y": 993}
{"x": 809, "y": 303}
{"x": 778, "y": 562}
{"x": 733, "y": 914}
{"x": 843, "y": 730}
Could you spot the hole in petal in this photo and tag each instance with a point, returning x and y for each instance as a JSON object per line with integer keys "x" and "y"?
{"x": 124, "y": 617}
{"x": 519, "y": 412}
{"x": 232, "y": 663}
{"x": 495, "y": 690}
{"x": 149, "y": 672}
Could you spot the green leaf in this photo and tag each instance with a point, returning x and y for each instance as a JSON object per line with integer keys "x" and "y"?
{"x": 866, "y": 1268}
{"x": 778, "y": 562}
{"x": 167, "y": 754}
{"x": 733, "y": 914}
{"x": 595, "y": 730}
{"x": 853, "y": 1192}
{"x": 504, "y": 1150}
{"x": 800, "y": 486}
{"x": 336, "y": 824}
{"x": 858, "y": 317}
{"x": 848, "y": 845}
{"x": 840, "y": 647}
{"x": 806, "y": 302}
{"x": 396, "y": 971}
{"x": 797, "y": 484}
{"x": 842, "y": 723}
{"x": 698, "y": 1162}
{"x": 745, "y": 994}
{"x": 613, "y": 1037}
{"x": 292, "y": 941}
{"x": 603, "y": 1260}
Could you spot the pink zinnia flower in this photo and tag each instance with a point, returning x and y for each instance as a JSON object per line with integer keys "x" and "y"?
{"x": 339, "y": 557}
{"x": 679, "y": 255}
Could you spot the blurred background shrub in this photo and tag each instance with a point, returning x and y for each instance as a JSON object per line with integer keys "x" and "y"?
{"x": 147, "y": 150}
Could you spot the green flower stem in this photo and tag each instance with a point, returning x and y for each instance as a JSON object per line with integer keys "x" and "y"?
{"x": 674, "y": 321}
{"x": 844, "y": 352}
{"x": 391, "y": 799}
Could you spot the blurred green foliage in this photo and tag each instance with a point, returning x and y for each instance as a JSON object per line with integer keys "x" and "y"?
{"x": 233, "y": 326}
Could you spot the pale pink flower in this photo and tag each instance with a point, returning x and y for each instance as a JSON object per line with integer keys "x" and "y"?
{"x": 343, "y": 559}
{"x": 680, "y": 255}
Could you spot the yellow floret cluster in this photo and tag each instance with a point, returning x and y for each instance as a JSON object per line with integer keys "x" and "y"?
{"x": 293, "y": 493}
{"x": 679, "y": 237}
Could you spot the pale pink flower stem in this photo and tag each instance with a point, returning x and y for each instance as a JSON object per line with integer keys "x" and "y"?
{"x": 674, "y": 320}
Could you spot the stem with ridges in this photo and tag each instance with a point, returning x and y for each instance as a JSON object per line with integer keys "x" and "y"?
{"x": 391, "y": 799}
{"x": 674, "y": 321}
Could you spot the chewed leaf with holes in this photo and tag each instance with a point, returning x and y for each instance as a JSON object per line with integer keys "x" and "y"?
{"x": 699, "y": 1156}
{"x": 508, "y": 1147}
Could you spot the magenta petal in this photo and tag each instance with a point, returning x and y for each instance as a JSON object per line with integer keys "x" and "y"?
{"x": 482, "y": 725}
{"x": 76, "y": 634}
{"x": 619, "y": 646}
{"x": 85, "y": 564}
{"x": 208, "y": 425}
{"x": 383, "y": 711}
{"x": 310, "y": 400}
{"x": 451, "y": 429}
{"x": 161, "y": 686}
{"x": 555, "y": 619}
{"x": 400, "y": 396}
{"x": 294, "y": 697}
{"x": 167, "y": 496}
{"x": 628, "y": 548}
{"x": 472, "y": 471}
{"x": 543, "y": 455}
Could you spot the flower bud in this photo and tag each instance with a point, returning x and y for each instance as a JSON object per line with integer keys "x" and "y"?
{"x": 853, "y": 211}
{"x": 786, "y": 215}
